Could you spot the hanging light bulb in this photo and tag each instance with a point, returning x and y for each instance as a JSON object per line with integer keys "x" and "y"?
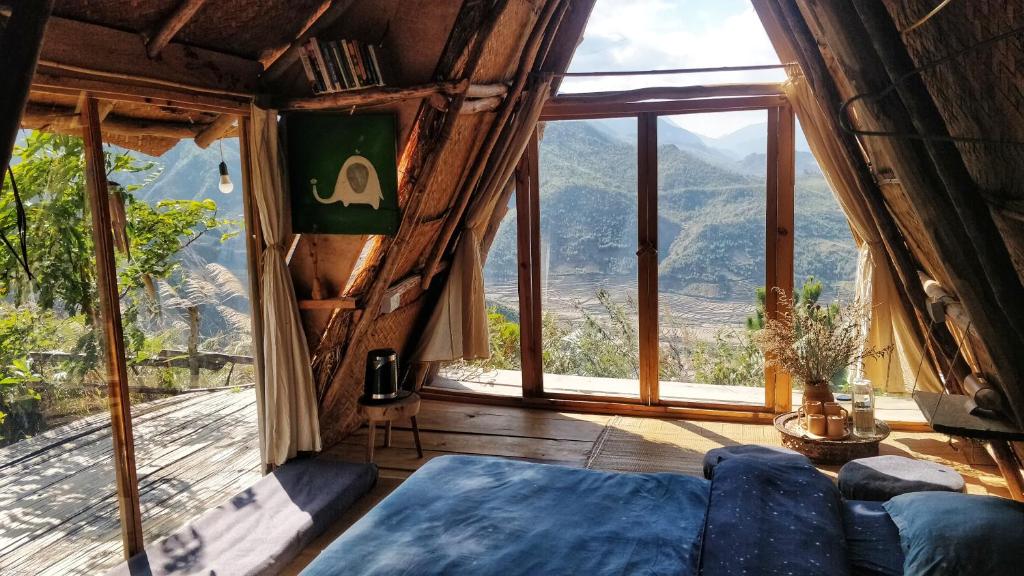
{"x": 225, "y": 185}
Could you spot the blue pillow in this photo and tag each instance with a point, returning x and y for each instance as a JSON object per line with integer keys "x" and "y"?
{"x": 948, "y": 533}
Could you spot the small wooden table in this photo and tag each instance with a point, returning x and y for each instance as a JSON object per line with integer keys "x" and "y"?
{"x": 374, "y": 413}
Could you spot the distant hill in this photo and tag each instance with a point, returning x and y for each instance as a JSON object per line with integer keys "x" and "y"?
{"x": 710, "y": 212}
{"x": 750, "y": 139}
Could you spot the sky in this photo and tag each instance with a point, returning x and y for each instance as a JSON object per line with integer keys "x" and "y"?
{"x": 660, "y": 34}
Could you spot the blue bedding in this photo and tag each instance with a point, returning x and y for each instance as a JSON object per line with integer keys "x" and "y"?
{"x": 480, "y": 516}
{"x": 771, "y": 517}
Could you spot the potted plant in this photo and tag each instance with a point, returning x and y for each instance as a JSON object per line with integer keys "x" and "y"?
{"x": 814, "y": 343}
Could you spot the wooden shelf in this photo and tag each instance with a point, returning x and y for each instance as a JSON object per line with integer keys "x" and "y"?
{"x": 951, "y": 414}
{"x": 328, "y": 304}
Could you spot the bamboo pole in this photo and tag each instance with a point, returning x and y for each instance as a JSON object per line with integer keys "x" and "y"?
{"x": 175, "y": 22}
{"x": 215, "y": 130}
{"x": 499, "y": 130}
{"x": 64, "y": 120}
{"x": 380, "y": 95}
{"x": 113, "y": 349}
{"x": 20, "y": 43}
{"x": 279, "y": 59}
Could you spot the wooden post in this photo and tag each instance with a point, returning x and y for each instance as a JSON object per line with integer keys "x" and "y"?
{"x": 193, "y": 346}
{"x": 783, "y": 233}
{"x": 20, "y": 43}
{"x": 113, "y": 349}
{"x": 647, "y": 255}
{"x": 528, "y": 258}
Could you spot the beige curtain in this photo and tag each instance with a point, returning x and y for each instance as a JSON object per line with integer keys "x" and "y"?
{"x": 289, "y": 400}
{"x": 890, "y": 321}
{"x": 458, "y": 327}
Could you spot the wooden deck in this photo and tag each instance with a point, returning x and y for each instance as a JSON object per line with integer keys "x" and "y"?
{"x": 58, "y": 512}
{"x": 567, "y": 438}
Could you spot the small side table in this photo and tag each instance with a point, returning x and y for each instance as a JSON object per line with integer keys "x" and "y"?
{"x": 374, "y": 413}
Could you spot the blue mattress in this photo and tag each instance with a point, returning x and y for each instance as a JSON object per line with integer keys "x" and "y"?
{"x": 480, "y": 516}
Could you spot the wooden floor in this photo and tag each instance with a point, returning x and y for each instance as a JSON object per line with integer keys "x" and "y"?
{"x": 567, "y": 438}
{"x": 58, "y": 513}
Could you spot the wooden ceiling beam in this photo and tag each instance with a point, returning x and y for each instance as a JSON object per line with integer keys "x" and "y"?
{"x": 278, "y": 59}
{"x": 216, "y": 130}
{"x": 64, "y": 120}
{"x": 81, "y": 49}
{"x": 118, "y": 91}
{"x": 175, "y": 22}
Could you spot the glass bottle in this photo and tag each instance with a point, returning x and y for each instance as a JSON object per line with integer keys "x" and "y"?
{"x": 863, "y": 408}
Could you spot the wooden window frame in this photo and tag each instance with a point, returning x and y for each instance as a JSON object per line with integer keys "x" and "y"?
{"x": 779, "y": 217}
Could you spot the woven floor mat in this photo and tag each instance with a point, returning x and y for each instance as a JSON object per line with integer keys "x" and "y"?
{"x": 653, "y": 445}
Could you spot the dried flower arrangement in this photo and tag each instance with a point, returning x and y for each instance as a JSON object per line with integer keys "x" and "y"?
{"x": 813, "y": 343}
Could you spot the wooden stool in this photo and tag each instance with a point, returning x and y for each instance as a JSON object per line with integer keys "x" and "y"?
{"x": 407, "y": 407}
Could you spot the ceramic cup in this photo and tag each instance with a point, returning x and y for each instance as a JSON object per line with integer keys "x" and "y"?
{"x": 835, "y": 409}
{"x": 816, "y": 424}
{"x": 810, "y": 408}
{"x": 836, "y": 426}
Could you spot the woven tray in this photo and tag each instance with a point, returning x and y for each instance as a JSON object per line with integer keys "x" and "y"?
{"x": 825, "y": 451}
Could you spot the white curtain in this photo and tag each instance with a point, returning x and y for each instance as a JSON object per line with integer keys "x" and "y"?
{"x": 291, "y": 423}
{"x": 458, "y": 327}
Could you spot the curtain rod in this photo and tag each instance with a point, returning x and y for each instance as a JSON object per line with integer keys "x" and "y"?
{"x": 672, "y": 71}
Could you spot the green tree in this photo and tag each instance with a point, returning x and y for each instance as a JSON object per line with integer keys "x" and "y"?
{"x": 51, "y": 182}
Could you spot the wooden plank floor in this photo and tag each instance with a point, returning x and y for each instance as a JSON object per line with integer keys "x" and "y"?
{"x": 567, "y": 438}
{"x": 58, "y": 513}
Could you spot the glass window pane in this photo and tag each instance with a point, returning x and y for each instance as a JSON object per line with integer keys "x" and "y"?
{"x": 588, "y": 264}
{"x": 58, "y": 505}
{"x": 183, "y": 275}
{"x": 711, "y": 252}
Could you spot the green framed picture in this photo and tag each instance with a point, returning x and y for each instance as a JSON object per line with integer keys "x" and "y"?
{"x": 342, "y": 172}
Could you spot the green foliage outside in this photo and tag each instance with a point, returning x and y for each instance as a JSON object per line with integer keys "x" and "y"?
{"x": 605, "y": 344}
{"x": 57, "y": 310}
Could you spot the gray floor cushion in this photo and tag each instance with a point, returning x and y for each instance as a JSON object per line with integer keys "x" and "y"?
{"x": 771, "y": 453}
{"x": 882, "y": 477}
{"x": 261, "y": 529}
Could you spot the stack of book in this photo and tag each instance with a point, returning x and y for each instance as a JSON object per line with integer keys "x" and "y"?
{"x": 336, "y": 65}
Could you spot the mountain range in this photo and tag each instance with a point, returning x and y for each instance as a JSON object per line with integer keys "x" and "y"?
{"x": 711, "y": 210}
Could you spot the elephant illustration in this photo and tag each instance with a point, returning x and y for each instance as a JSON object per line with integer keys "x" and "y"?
{"x": 357, "y": 184}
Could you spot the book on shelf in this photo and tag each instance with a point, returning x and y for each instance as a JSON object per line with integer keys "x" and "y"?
{"x": 337, "y": 65}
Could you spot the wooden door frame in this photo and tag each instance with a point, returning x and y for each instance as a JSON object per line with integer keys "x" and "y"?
{"x": 780, "y": 181}
{"x": 126, "y": 477}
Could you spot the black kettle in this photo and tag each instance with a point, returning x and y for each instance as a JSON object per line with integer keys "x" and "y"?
{"x": 381, "y": 382}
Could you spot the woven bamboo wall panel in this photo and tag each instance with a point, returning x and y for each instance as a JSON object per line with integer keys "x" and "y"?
{"x": 980, "y": 94}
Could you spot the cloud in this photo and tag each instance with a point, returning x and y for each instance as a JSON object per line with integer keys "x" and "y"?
{"x": 661, "y": 34}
